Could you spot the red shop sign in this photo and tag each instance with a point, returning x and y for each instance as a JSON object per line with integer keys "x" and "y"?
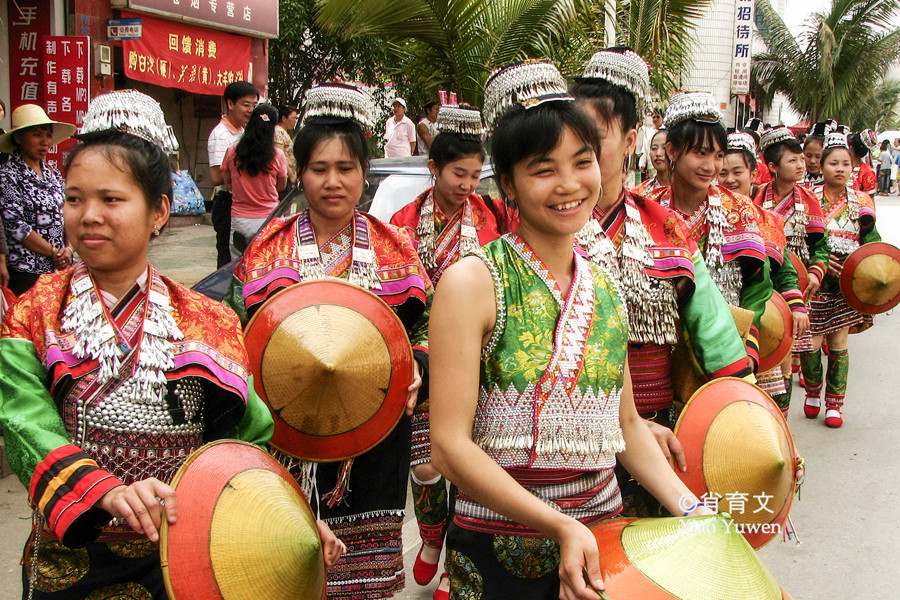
{"x": 66, "y": 64}
{"x": 196, "y": 60}
{"x": 29, "y": 21}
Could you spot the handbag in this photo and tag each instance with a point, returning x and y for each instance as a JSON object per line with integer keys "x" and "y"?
{"x": 186, "y": 196}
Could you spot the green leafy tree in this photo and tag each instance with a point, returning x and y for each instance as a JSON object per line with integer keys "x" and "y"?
{"x": 835, "y": 69}
{"x": 662, "y": 32}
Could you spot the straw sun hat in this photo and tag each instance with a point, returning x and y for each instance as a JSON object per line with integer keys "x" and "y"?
{"x": 737, "y": 445}
{"x": 31, "y": 115}
{"x": 695, "y": 558}
{"x": 776, "y": 333}
{"x": 870, "y": 278}
{"x": 333, "y": 363}
{"x": 244, "y": 530}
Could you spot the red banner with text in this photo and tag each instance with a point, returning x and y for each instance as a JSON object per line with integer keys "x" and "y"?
{"x": 29, "y": 21}
{"x": 193, "y": 59}
{"x": 67, "y": 76}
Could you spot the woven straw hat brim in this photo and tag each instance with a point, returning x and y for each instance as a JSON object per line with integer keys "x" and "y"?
{"x": 30, "y": 115}
{"x": 736, "y": 441}
{"x": 244, "y": 530}
{"x": 776, "y": 333}
{"x": 802, "y": 273}
{"x": 870, "y": 279}
{"x": 333, "y": 363}
{"x": 694, "y": 558}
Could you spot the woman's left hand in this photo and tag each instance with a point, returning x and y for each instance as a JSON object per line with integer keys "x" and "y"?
{"x": 801, "y": 323}
{"x": 332, "y": 547}
{"x": 62, "y": 258}
{"x": 413, "y": 389}
{"x": 669, "y": 444}
{"x": 835, "y": 267}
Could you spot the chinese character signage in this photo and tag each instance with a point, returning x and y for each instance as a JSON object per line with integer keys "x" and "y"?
{"x": 197, "y": 60}
{"x": 29, "y": 22}
{"x": 65, "y": 62}
{"x": 123, "y": 29}
{"x": 257, "y": 18}
{"x": 741, "y": 56}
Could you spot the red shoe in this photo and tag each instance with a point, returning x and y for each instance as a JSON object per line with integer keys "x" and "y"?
{"x": 833, "y": 417}
{"x": 423, "y": 572}
{"x": 811, "y": 407}
{"x": 795, "y": 368}
{"x": 440, "y": 594}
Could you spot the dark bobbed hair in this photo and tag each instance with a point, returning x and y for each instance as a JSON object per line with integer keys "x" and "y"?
{"x": 256, "y": 149}
{"x": 885, "y": 145}
{"x": 829, "y": 151}
{"x": 318, "y": 129}
{"x": 775, "y": 152}
{"x": 430, "y": 105}
{"x": 817, "y": 139}
{"x": 857, "y": 147}
{"x": 664, "y": 131}
{"x": 612, "y": 102}
{"x": 284, "y": 111}
{"x": 236, "y": 90}
{"x": 449, "y": 146}
{"x": 694, "y": 135}
{"x": 521, "y": 134}
{"x": 146, "y": 163}
{"x": 749, "y": 158}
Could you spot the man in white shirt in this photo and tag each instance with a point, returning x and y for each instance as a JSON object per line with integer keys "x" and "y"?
{"x": 399, "y": 132}
{"x": 240, "y": 98}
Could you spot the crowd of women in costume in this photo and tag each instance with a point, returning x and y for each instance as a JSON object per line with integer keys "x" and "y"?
{"x": 543, "y": 326}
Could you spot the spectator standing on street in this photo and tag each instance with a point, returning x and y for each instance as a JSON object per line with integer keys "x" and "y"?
{"x": 256, "y": 171}
{"x": 399, "y": 132}
{"x": 426, "y": 129}
{"x": 645, "y": 162}
{"x": 896, "y": 169}
{"x": 885, "y": 162}
{"x": 240, "y": 100}
{"x": 3, "y": 155}
{"x": 31, "y": 199}
{"x": 287, "y": 120}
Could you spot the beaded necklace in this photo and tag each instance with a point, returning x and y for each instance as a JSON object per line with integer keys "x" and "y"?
{"x": 468, "y": 235}
{"x": 362, "y": 263}
{"x": 98, "y": 337}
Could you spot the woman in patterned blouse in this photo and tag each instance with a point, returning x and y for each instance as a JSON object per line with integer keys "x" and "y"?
{"x": 31, "y": 198}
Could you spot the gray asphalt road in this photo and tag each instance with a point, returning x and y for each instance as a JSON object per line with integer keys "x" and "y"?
{"x": 848, "y": 513}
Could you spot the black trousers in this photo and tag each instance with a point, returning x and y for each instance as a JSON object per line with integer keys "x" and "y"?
{"x": 221, "y": 220}
{"x": 21, "y": 281}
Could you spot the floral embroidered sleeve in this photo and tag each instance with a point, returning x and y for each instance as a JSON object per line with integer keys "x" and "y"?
{"x": 818, "y": 255}
{"x": 64, "y": 483}
{"x": 710, "y": 328}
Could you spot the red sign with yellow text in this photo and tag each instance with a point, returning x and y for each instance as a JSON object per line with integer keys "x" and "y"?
{"x": 196, "y": 60}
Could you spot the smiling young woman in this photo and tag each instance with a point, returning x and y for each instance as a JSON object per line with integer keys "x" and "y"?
{"x": 723, "y": 224}
{"x": 527, "y": 322}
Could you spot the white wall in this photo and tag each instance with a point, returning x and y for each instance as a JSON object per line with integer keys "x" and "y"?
{"x": 712, "y": 55}
{"x": 4, "y": 62}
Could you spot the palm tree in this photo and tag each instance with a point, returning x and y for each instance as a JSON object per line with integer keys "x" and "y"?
{"x": 662, "y": 32}
{"x": 835, "y": 65}
{"x": 454, "y": 44}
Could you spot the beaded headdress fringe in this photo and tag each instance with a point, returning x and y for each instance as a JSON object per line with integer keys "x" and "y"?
{"x": 340, "y": 101}
{"x": 130, "y": 112}
{"x": 528, "y": 83}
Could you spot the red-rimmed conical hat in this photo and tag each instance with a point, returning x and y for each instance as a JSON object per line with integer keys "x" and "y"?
{"x": 870, "y": 279}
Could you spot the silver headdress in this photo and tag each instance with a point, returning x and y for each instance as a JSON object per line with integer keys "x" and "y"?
{"x": 458, "y": 118}
{"x": 773, "y": 136}
{"x": 699, "y": 106}
{"x": 529, "y": 83}
{"x": 756, "y": 125}
{"x": 340, "y": 101}
{"x": 624, "y": 69}
{"x": 821, "y": 129}
{"x": 742, "y": 141}
{"x": 131, "y": 112}
{"x": 836, "y": 139}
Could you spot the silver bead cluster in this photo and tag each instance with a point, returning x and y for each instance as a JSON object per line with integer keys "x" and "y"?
{"x": 131, "y": 112}
{"x": 460, "y": 119}
{"x": 341, "y": 101}
{"x": 528, "y": 83}
{"x": 624, "y": 69}
{"x": 699, "y": 106}
{"x": 742, "y": 141}
{"x": 189, "y": 392}
{"x": 773, "y": 136}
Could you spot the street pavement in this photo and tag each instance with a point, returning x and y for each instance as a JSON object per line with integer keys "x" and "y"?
{"x": 846, "y": 516}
